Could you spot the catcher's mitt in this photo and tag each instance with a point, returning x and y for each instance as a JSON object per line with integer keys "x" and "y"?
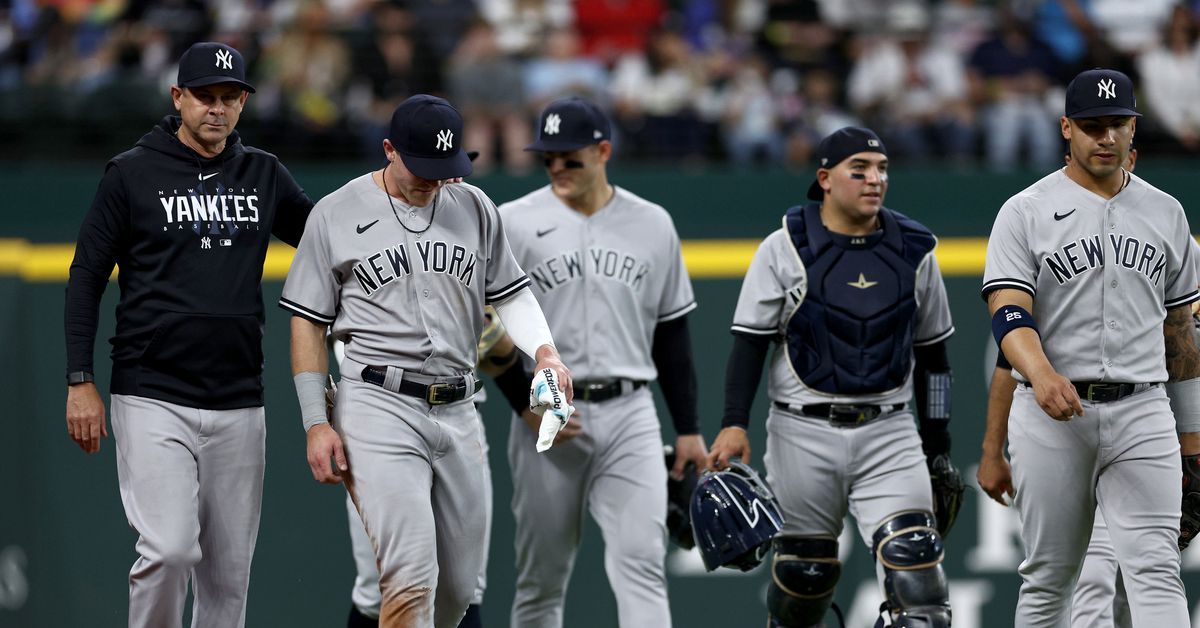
{"x": 948, "y": 490}
{"x": 493, "y": 331}
{"x": 1189, "y": 523}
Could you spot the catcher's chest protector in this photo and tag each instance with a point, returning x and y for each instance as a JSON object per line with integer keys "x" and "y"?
{"x": 852, "y": 332}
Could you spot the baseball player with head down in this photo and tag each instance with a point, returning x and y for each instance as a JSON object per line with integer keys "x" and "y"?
{"x": 851, "y": 293}
{"x": 187, "y": 214}
{"x": 607, "y": 268}
{"x": 1089, "y": 278}
{"x": 401, "y": 264}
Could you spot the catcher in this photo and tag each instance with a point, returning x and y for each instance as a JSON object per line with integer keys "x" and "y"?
{"x": 851, "y": 295}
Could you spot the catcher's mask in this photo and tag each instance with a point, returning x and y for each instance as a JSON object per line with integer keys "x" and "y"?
{"x": 734, "y": 517}
{"x": 679, "y": 498}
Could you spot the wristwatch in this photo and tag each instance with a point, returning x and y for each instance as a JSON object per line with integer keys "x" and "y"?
{"x": 79, "y": 377}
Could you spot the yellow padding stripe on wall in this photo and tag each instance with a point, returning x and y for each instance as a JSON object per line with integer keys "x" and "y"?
{"x": 706, "y": 259}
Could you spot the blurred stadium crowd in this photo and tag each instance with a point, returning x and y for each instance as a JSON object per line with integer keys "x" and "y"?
{"x": 688, "y": 81}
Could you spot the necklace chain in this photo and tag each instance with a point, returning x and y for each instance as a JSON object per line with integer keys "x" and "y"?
{"x": 432, "y": 212}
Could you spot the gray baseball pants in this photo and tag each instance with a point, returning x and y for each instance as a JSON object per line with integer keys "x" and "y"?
{"x": 365, "y": 594}
{"x": 1122, "y": 456}
{"x": 613, "y": 470}
{"x": 191, "y": 483}
{"x": 1099, "y": 600}
{"x": 819, "y": 472}
{"x": 416, "y": 476}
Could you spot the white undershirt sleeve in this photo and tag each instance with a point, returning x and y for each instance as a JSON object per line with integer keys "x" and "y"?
{"x": 526, "y": 324}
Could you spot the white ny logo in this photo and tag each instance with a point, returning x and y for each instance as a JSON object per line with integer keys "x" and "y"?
{"x": 445, "y": 140}
{"x": 206, "y": 242}
{"x": 552, "y": 122}
{"x": 1108, "y": 89}
{"x": 224, "y": 60}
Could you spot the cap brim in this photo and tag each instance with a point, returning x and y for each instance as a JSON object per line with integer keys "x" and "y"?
{"x": 216, "y": 80}
{"x": 1099, "y": 112}
{"x": 439, "y": 168}
{"x": 815, "y": 193}
{"x": 558, "y": 146}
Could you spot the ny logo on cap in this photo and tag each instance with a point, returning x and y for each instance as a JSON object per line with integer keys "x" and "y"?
{"x": 445, "y": 140}
{"x": 1107, "y": 89}
{"x": 552, "y": 122}
{"x": 224, "y": 60}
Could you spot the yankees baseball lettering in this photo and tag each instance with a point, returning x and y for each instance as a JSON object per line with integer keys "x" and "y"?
{"x": 212, "y": 207}
{"x": 553, "y": 272}
{"x": 384, "y": 267}
{"x": 1080, "y": 256}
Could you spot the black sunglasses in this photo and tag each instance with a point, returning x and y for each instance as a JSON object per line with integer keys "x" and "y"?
{"x": 567, "y": 163}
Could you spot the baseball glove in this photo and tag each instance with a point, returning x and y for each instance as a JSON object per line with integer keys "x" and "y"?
{"x": 1189, "y": 523}
{"x": 493, "y": 331}
{"x": 679, "y": 499}
{"x": 948, "y": 490}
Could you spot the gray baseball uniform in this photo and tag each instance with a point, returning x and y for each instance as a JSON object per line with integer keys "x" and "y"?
{"x": 875, "y": 470}
{"x": 622, "y": 275}
{"x": 405, "y": 288}
{"x": 1100, "y": 600}
{"x": 1102, "y": 274}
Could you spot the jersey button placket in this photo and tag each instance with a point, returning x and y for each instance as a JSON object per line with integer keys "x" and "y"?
{"x": 586, "y": 240}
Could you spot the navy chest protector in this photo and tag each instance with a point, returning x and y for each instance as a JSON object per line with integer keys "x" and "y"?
{"x": 853, "y": 331}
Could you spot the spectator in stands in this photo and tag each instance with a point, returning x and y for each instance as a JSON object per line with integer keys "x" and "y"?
{"x": 653, "y": 94}
{"x": 309, "y": 68}
{"x": 486, "y": 85}
{"x": 612, "y": 28}
{"x": 1131, "y": 27}
{"x": 914, "y": 92}
{"x": 522, "y": 25}
{"x": 1010, "y": 78}
{"x": 750, "y": 118}
{"x": 1170, "y": 73}
{"x": 387, "y": 70}
{"x": 561, "y": 70}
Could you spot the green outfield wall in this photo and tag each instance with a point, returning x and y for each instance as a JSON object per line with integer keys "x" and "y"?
{"x": 65, "y": 546}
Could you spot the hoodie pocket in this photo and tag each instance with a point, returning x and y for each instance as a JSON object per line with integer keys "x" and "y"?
{"x": 211, "y": 347}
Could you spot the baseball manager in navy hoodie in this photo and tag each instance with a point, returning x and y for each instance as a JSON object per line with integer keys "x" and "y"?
{"x": 186, "y": 215}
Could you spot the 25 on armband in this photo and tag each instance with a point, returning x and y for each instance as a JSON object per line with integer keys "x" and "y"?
{"x": 1009, "y": 318}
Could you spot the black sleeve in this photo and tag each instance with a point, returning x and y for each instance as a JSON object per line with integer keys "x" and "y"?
{"x": 1002, "y": 362}
{"x": 672, "y": 355}
{"x": 933, "y": 418}
{"x": 101, "y": 235}
{"x": 293, "y": 209}
{"x": 514, "y": 384}
{"x": 742, "y": 375}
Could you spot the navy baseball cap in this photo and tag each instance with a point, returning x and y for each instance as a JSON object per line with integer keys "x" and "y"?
{"x": 1100, "y": 92}
{"x": 839, "y": 145}
{"x": 427, "y": 132}
{"x": 569, "y": 124}
{"x": 210, "y": 63}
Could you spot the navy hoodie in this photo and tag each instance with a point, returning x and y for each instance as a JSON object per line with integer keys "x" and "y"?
{"x": 189, "y": 235}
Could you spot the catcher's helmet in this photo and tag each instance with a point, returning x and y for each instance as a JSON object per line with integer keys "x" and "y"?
{"x": 679, "y": 497}
{"x": 734, "y": 516}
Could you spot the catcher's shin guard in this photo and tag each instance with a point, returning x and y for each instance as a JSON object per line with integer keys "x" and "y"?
{"x": 804, "y": 573}
{"x": 910, "y": 550}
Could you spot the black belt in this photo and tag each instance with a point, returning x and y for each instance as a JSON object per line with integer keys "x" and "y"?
{"x": 436, "y": 393}
{"x": 603, "y": 390}
{"x": 1103, "y": 392}
{"x": 843, "y": 413}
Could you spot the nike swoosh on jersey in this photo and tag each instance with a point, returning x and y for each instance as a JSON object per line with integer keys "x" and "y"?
{"x": 362, "y": 228}
{"x": 541, "y": 233}
{"x": 206, "y": 177}
{"x": 1058, "y": 216}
